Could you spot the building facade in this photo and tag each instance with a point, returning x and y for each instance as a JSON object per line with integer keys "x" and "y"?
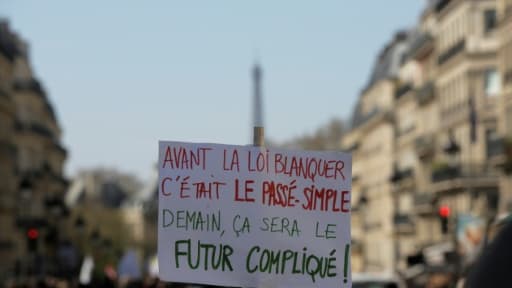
{"x": 429, "y": 139}
{"x": 108, "y": 204}
{"x": 32, "y": 159}
{"x": 8, "y": 175}
{"x": 371, "y": 142}
{"x": 505, "y": 127}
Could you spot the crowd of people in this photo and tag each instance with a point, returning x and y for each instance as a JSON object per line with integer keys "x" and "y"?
{"x": 491, "y": 269}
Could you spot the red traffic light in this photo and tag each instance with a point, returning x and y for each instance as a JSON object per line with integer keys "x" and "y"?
{"x": 32, "y": 233}
{"x": 444, "y": 211}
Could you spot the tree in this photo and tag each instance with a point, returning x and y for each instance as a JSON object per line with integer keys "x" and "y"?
{"x": 326, "y": 137}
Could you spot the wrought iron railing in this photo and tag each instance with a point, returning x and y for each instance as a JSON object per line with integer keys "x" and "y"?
{"x": 465, "y": 170}
{"x": 495, "y": 147}
{"x": 402, "y": 90}
{"x": 452, "y": 51}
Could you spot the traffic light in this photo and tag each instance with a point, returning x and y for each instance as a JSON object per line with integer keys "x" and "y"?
{"x": 444, "y": 214}
{"x": 32, "y": 239}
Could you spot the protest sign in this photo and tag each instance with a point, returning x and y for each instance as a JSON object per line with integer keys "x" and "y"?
{"x": 253, "y": 216}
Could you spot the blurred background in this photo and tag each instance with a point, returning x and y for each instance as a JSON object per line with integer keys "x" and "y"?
{"x": 420, "y": 92}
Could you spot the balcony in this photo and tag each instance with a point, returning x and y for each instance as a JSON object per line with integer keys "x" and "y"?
{"x": 55, "y": 205}
{"x": 423, "y": 203}
{"x": 399, "y": 175}
{"x": 375, "y": 116}
{"x": 60, "y": 148}
{"x": 506, "y": 160}
{"x": 396, "y": 176}
{"x": 404, "y": 224}
{"x": 366, "y": 117}
{"x": 445, "y": 172}
{"x": 440, "y": 5}
{"x": 48, "y": 172}
{"x": 499, "y": 153}
{"x": 403, "y": 179}
{"x": 402, "y": 131}
{"x": 34, "y": 127}
{"x": 353, "y": 148}
{"x": 421, "y": 46}
{"x": 451, "y": 52}
{"x": 495, "y": 148}
{"x": 50, "y": 110}
{"x": 425, "y": 146}
{"x": 8, "y": 45}
{"x": 31, "y": 222}
{"x": 29, "y": 85}
{"x": 60, "y": 179}
{"x": 41, "y": 130}
{"x": 402, "y": 90}
{"x": 426, "y": 93}
{"x": 462, "y": 176}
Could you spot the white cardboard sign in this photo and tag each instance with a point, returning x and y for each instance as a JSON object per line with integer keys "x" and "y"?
{"x": 253, "y": 216}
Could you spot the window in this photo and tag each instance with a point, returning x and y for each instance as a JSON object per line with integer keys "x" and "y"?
{"x": 24, "y": 113}
{"x": 492, "y": 83}
{"x": 489, "y": 20}
{"x": 24, "y": 160}
{"x": 492, "y": 142}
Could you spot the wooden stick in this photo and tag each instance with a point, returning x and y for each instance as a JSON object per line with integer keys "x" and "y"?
{"x": 258, "y": 136}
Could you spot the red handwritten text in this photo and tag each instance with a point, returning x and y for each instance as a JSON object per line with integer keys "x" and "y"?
{"x": 248, "y": 190}
{"x": 182, "y": 158}
{"x": 279, "y": 194}
{"x": 326, "y": 199}
{"x": 308, "y": 167}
